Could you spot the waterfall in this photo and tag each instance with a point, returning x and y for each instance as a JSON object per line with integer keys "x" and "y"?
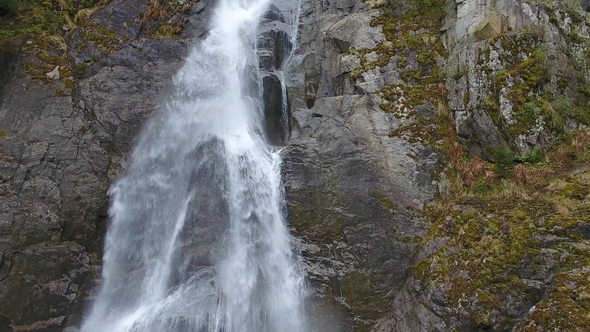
{"x": 197, "y": 239}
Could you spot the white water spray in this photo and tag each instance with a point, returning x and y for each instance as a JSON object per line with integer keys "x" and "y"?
{"x": 205, "y": 143}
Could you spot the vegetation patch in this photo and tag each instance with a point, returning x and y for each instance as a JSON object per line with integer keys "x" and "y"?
{"x": 566, "y": 307}
{"x": 412, "y": 35}
{"x": 503, "y": 229}
{"x": 162, "y": 19}
{"x": 37, "y": 28}
{"x": 41, "y": 20}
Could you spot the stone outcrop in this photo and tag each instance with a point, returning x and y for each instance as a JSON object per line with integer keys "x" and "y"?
{"x": 62, "y": 142}
{"x": 511, "y": 68}
{"x": 354, "y": 190}
{"x": 395, "y": 112}
{"x": 382, "y": 97}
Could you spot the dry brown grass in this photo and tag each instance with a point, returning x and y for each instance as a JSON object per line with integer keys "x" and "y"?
{"x": 491, "y": 177}
{"x": 469, "y": 168}
{"x": 574, "y": 149}
{"x": 507, "y": 189}
{"x": 157, "y": 11}
{"x": 443, "y": 109}
{"x": 162, "y": 11}
{"x": 186, "y": 7}
{"x": 167, "y": 31}
{"x": 83, "y": 16}
{"x": 520, "y": 174}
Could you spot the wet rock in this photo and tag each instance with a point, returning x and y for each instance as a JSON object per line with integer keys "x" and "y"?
{"x": 8, "y": 65}
{"x": 353, "y": 190}
{"x": 273, "y": 14}
{"x": 311, "y": 79}
{"x": 276, "y": 117}
{"x": 61, "y": 147}
{"x": 274, "y": 46}
{"x": 199, "y": 17}
{"x": 343, "y": 178}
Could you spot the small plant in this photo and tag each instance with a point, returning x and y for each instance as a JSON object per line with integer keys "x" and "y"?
{"x": 536, "y": 156}
{"x": 503, "y": 161}
{"x": 480, "y": 186}
{"x": 574, "y": 10}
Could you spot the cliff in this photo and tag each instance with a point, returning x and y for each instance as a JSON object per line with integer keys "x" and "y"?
{"x": 436, "y": 166}
{"x": 77, "y": 84}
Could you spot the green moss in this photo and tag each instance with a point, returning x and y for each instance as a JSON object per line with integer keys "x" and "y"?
{"x": 489, "y": 243}
{"x": 79, "y": 71}
{"x": 82, "y": 46}
{"x": 42, "y": 23}
{"x": 305, "y": 218}
{"x": 104, "y": 39}
{"x": 360, "y": 294}
{"x": 527, "y": 106}
{"x": 423, "y": 269}
{"x": 402, "y": 62}
{"x": 60, "y": 93}
{"x": 69, "y": 83}
{"x": 382, "y": 200}
{"x": 576, "y": 38}
{"x": 566, "y": 306}
{"x": 2, "y": 133}
{"x": 426, "y": 57}
{"x": 41, "y": 19}
{"x": 575, "y": 191}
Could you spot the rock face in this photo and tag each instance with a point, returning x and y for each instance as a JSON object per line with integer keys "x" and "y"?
{"x": 274, "y": 48}
{"x": 382, "y": 97}
{"x": 354, "y": 188}
{"x": 62, "y": 142}
{"x": 512, "y": 73}
{"x": 389, "y": 112}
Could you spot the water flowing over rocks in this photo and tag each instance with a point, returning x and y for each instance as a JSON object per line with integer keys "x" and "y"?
{"x": 59, "y": 153}
{"x": 356, "y": 102}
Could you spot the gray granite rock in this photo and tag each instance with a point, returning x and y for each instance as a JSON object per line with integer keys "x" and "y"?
{"x": 60, "y": 148}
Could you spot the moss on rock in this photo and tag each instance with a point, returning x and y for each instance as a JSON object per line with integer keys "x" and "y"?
{"x": 500, "y": 239}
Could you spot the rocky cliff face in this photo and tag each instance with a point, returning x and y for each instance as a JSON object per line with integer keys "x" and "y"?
{"x": 427, "y": 135}
{"x": 355, "y": 189}
{"x": 435, "y": 157}
{"x": 70, "y": 107}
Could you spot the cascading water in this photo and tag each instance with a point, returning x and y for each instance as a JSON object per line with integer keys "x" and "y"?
{"x": 202, "y": 166}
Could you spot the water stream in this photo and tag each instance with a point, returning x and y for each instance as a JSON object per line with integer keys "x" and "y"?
{"x": 197, "y": 239}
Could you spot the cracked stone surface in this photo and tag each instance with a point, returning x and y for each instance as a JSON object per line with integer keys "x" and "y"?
{"x": 354, "y": 193}
{"x": 354, "y": 190}
{"x": 60, "y": 148}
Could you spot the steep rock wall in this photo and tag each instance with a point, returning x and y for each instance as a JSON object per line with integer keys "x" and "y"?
{"x": 415, "y": 187}
{"x": 355, "y": 187}
{"x": 416, "y": 168}
{"x": 68, "y": 115}
{"x": 516, "y": 72}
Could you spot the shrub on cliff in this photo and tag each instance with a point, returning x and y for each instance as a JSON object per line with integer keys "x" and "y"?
{"x": 503, "y": 161}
